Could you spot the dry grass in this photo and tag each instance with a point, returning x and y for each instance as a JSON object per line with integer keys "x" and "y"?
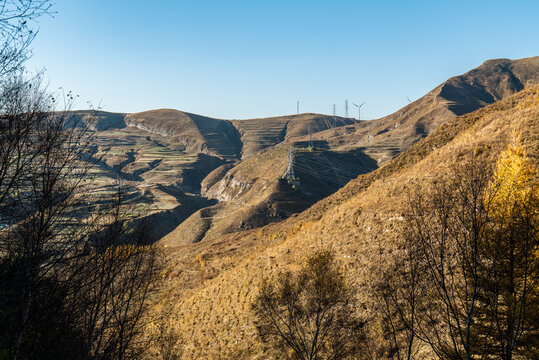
{"x": 358, "y": 222}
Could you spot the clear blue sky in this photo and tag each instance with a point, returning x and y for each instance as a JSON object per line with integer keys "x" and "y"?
{"x": 242, "y": 59}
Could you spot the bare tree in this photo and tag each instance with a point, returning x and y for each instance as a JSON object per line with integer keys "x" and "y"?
{"x": 399, "y": 289}
{"x": 37, "y": 183}
{"x": 17, "y": 31}
{"x": 112, "y": 285}
{"x": 74, "y": 280}
{"x": 447, "y": 229}
{"x": 310, "y": 314}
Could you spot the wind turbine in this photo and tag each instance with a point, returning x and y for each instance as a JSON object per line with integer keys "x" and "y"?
{"x": 359, "y": 110}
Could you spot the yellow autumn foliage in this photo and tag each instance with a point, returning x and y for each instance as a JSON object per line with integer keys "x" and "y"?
{"x": 512, "y": 186}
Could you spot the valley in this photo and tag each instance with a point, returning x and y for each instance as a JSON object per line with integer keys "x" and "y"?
{"x": 178, "y": 164}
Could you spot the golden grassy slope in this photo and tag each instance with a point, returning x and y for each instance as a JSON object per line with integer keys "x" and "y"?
{"x": 211, "y": 284}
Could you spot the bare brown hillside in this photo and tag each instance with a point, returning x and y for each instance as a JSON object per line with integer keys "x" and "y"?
{"x": 385, "y": 138}
{"x": 211, "y": 283}
{"x": 245, "y": 159}
{"x": 230, "y": 139}
{"x": 258, "y": 134}
{"x": 250, "y": 189}
{"x": 197, "y": 133}
{"x": 253, "y": 193}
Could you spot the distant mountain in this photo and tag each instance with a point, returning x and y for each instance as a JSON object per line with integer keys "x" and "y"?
{"x": 164, "y": 156}
{"x": 229, "y": 139}
{"x": 258, "y": 134}
{"x": 385, "y": 138}
{"x": 198, "y": 133}
{"x": 250, "y": 193}
{"x": 239, "y": 163}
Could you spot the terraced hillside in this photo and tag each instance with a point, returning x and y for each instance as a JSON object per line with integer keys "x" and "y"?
{"x": 163, "y": 156}
{"x": 162, "y": 180}
{"x": 258, "y": 134}
{"x": 197, "y": 133}
{"x": 211, "y": 283}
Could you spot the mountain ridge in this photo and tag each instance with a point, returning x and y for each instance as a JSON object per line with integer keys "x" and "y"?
{"x": 245, "y": 159}
{"x": 244, "y": 185}
{"x": 384, "y": 138}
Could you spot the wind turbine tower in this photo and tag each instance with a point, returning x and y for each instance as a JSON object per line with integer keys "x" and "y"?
{"x": 358, "y": 110}
{"x": 297, "y": 107}
{"x": 345, "y": 108}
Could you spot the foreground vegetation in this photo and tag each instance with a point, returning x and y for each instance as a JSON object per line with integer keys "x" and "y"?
{"x": 75, "y": 274}
{"x": 463, "y": 287}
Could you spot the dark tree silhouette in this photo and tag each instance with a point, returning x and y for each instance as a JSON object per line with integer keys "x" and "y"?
{"x": 74, "y": 278}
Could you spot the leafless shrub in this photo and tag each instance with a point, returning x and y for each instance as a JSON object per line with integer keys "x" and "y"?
{"x": 309, "y": 314}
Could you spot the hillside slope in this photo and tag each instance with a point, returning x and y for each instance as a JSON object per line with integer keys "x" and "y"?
{"x": 253, "y": 193}
{"x": 211, "y": 283}
{"x": 229, "y": 139}
{"x": 342, "y": 152}
{"x": 258, "y": 134}
{"x": 244, "y": 159}
{"x": 198, "y": 133}
{"x": 385, "y": 138}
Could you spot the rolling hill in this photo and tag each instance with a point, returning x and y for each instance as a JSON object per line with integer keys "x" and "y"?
{"x": 163, "y": 156}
